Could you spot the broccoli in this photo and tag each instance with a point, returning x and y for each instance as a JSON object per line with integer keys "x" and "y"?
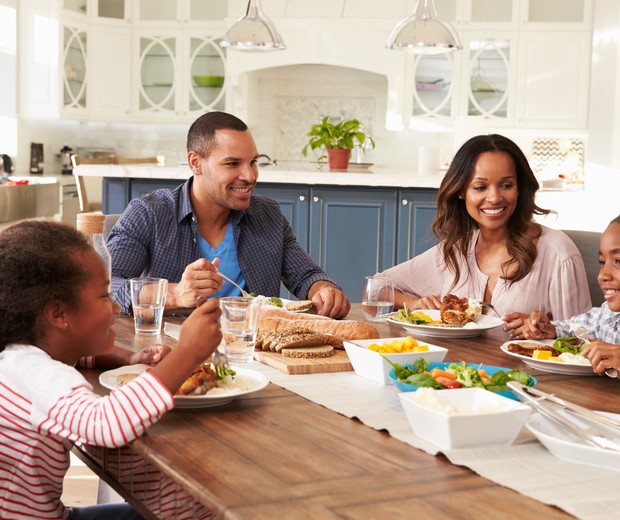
{"x": 466, "y": 375}
{"x": 420, "y": 365}
{"x": 275, "y": 301}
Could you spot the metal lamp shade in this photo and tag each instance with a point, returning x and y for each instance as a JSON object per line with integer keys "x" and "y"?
{"x": 424, "y": 34}
{"x": 255, "y": 32}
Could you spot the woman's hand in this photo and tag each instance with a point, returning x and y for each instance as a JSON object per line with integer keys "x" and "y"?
{"x": 514, "y": 324}
{"x": 537, "y": 326}
{"x": 602, "y": 356}
{"x": 150, "y": 355}
{"x": 413, "y": 302}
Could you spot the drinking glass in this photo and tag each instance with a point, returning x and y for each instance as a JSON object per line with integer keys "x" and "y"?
{"x": 239, "y": 321}
{"x": 148, "y": 298}
{"x": 377, "y": 297}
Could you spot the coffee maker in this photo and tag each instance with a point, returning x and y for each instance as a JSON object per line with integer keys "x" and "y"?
{"x": 67, "y": 164}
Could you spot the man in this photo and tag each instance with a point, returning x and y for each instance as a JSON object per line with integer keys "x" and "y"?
{"x": 213, "y": 222}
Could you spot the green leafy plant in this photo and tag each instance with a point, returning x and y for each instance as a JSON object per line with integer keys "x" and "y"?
{"x": 344, "y": 135}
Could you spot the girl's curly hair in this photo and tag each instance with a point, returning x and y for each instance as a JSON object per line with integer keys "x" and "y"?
{"x": 40, "y": 262}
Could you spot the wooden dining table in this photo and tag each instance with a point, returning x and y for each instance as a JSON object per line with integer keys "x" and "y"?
{"x": 274, "y": 454}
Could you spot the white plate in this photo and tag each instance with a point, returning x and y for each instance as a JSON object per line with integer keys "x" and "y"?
{"x": 564, "y": 445}
{"x": 544, "y": 365}
{"x": 482, "y": 323}
{"x": 258, "y": 380}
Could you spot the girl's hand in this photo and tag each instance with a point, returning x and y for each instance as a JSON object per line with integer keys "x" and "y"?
{"x": 426, "y": 302}
{"x": 602, "y": 356}
{"x": 537, "y": 326}
{"x": 150, "y": 355}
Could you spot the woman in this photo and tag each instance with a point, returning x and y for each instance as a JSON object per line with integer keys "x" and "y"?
{"x": 489, "y": 246}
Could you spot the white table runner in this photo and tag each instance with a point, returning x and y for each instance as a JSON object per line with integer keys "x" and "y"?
{"x": 526, "y": 466}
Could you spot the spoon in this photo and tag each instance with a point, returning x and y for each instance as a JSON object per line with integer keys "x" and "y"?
{"x": 581, "y": 332}
{"x": 244, "y": 293}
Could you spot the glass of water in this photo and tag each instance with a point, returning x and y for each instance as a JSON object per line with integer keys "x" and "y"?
{"x": 377, "y": 297}
{"x": 148, "y": 298}
{"x": 239, "y": 321}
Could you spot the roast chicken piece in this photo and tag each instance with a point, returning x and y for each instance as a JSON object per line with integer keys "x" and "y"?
{"x": 457, "y": 311}
{"x": 200, "y": 382}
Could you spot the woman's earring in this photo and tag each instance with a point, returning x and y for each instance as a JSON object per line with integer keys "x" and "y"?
{"x": 461, "y": 197}
{"x": 66, "y": 324}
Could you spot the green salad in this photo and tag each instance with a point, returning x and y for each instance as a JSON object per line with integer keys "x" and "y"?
{"x": 457, "y": 375}
{"x": 569, "y": 344}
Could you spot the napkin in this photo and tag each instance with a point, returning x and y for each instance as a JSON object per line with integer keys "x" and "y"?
{"x": 172, "y": 329}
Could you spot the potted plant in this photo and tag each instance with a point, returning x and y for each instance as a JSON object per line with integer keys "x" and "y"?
{"x": 337, "y": 140}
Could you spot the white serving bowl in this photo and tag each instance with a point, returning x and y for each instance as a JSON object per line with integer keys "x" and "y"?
{"x": 481, "y": 418}
{"x": 370, "y": 364}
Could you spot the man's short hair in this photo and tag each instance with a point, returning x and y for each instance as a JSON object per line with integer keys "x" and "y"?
{"x": 202, "y": 132}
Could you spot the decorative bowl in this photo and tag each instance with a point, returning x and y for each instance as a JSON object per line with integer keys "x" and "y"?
{"x": 209, "y": 81}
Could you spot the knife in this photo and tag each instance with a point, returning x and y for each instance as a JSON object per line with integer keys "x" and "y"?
{"x": 593, "y": 434}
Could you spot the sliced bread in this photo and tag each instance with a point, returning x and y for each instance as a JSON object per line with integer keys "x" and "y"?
{"x": 321, "y": 351}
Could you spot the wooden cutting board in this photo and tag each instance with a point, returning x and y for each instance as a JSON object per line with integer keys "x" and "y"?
{"x": 339, "y": 362}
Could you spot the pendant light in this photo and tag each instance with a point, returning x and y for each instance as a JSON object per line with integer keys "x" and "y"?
{"x": 255, "y": 32}
{"x": 423, "y": 33}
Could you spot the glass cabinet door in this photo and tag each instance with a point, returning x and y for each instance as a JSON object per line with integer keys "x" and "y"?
{"x": 489, "y": 75}
{"x": 432, "y": 95}
{"x": 206, "y": 73}
{"x": 158, "y": 60}
{"x": 114, "y": 9}
{"x": 159, "y": 10}
{"x": 74, "y": 59}
{"x": 77, "y": 6}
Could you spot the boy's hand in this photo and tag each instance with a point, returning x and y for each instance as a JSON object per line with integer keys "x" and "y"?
{"x": 602, "y": 356}
{"x": 537, "y": 326}
{"x": 150, "y": 355}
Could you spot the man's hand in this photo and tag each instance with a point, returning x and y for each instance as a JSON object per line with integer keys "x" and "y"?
{"x": 329, "y": 300}
{"x": 200, "y": 278}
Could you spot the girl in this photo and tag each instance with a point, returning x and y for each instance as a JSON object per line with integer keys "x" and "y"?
{"x": 489, "y": 246}
{"x": 603, "y": 322}
{"x": 55, "y": 311}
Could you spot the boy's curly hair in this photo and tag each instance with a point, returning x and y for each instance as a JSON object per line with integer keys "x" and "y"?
{"x": 40, "y": 262}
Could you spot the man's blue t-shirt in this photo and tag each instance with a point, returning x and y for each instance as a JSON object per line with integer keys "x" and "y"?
{"x": 229, "y": 264}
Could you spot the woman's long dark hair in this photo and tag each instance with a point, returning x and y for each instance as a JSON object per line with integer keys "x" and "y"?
{"x": 453, "y": 226}
{"x": 40, "y": 262}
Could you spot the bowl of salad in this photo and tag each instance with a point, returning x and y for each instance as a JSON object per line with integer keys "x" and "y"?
{"x": 449, "y": 376}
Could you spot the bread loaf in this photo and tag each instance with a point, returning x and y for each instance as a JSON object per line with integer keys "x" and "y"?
{"x": 321, "y": 351}
{"x": 347, "y": 329}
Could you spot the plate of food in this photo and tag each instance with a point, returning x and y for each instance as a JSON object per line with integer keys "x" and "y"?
{"x": 456, "y": 318}
{"x": 450, "y": 375}
{"x": 218, "y": 393}
{"x": 563, "y": 444}
{"x": 289, "y": 305}
{"x": 559, "y": 356}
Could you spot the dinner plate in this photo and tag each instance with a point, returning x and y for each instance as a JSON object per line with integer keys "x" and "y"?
{"x": 544, "y": 365}
{"x": 253, "y": 382}
{"x": 564, "y": 445}
{"x": 470, "y": 330}
{"x": 490, "y": 370}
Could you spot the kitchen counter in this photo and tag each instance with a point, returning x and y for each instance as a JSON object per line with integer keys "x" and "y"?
{"x": 37, "y": 199}
{"x": 300, "y": 173}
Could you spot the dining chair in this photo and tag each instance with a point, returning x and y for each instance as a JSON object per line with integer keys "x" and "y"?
{"x": 588, "y": 244}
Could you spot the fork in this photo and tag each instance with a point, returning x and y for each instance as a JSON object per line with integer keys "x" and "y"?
{"x": 490, "y": 306}
{"x": 244, "y": 293}
{"x": 219, "y": 359}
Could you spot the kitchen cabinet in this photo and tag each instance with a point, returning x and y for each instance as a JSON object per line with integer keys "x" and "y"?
{"x": 167, "y": 64}
{"x": 193, "y": 12}
{"x": 524, "y": 64}
{"x": 75, "y": 63}
{"x": 416, "y": 212}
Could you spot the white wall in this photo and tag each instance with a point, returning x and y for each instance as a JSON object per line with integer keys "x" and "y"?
{"x": 8, "y": 77}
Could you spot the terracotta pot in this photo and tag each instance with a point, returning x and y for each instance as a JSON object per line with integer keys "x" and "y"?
{"x": 338, "y": 158}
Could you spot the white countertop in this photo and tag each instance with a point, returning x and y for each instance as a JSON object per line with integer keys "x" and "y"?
{"x": 275, "y": 174}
